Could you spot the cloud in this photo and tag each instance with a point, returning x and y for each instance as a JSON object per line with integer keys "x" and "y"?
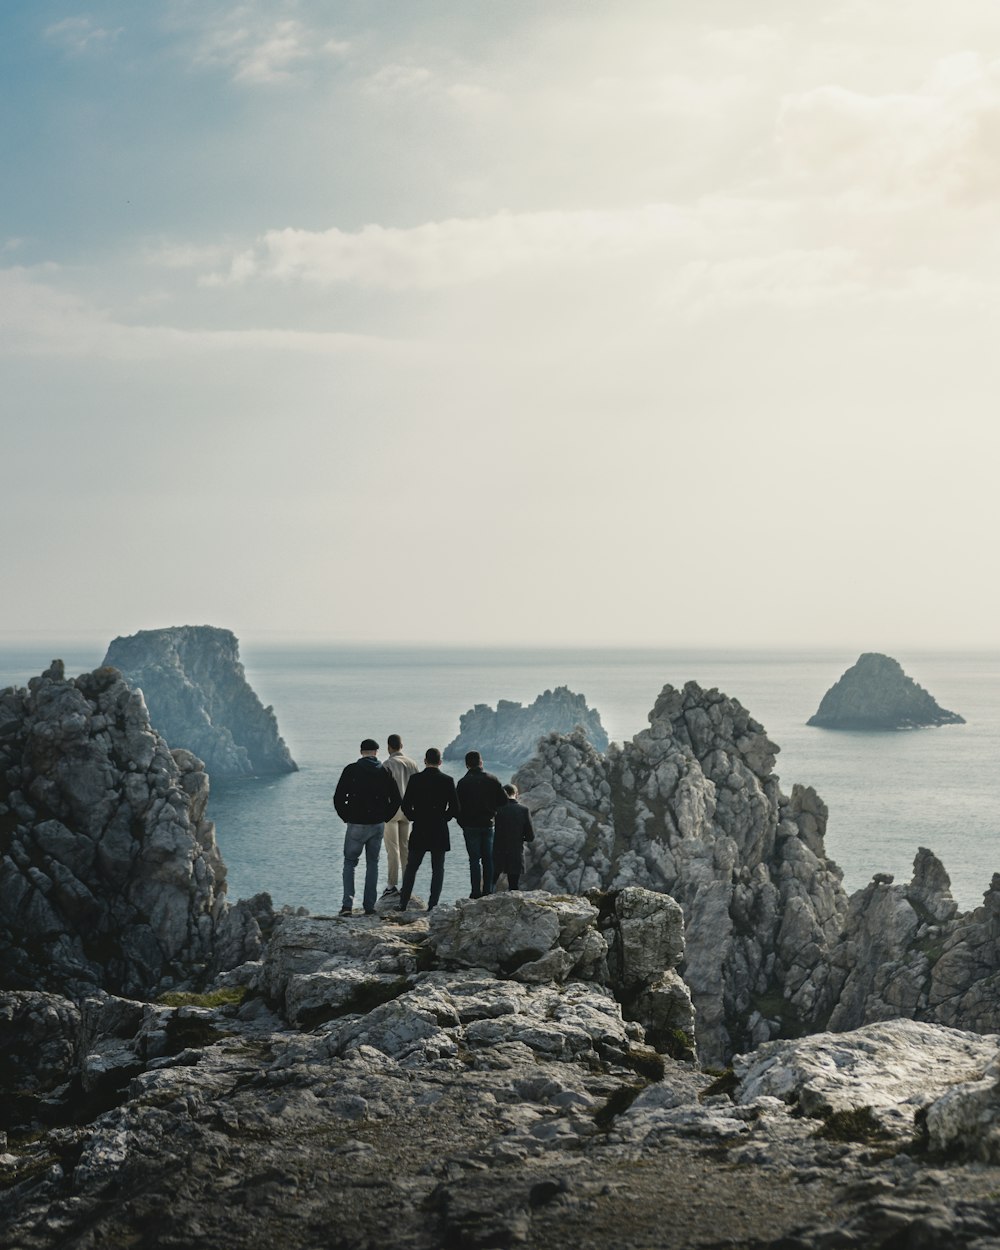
{"x": 39, "y": 319}
{"x": 80, "y": 35}
{"x": 258, "y": 49}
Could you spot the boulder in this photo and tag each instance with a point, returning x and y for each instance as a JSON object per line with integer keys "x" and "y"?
{"x": 198, "y": 698}
{"x": 876, "y": 694}
{"x": 509, "y": 733}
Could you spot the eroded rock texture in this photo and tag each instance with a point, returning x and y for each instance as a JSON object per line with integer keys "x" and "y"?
{"x": 692, "y": 807}
{"x": 510, "y": 732}
{"x": 199, "y": 698}
{"x": 876, "y": 694}
{"x": 109, "y": 871}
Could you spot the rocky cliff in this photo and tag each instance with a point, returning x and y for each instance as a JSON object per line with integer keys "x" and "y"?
{"x": 692, "y": 806}
{"x": 510, "y": 732}
{"x": 876, "y": 694}
{"x": 110, "y": 877}
{"x": 379, "y": 1080}
{"x": 198, "y": 698}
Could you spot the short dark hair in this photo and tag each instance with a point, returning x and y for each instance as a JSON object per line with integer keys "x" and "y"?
{"x": 511, "y": 790}
{"x": 473, "y": 759}
{"x": 432, "y": 756}
{"x": 394, "y": 742}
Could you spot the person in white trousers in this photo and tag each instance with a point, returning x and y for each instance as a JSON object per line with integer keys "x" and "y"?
{"x": 397, "y": 831}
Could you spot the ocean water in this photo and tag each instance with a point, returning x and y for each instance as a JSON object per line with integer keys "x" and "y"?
{"x": 888, "y": 793}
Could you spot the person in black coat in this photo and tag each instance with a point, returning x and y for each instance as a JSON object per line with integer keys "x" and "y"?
{"x": 365, "y": 798}
{"x": 512, "y": 828}
{"x": 481, "y": 795}
{"x": 430, "y": 802}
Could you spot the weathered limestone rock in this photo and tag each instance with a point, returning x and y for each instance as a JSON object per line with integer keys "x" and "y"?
{"x": 876, "y": 694}
{"x": 198, "y": 698}
{"x": 691, "y": 807}
{"x": 510, "y": 732}
{"x": 110, "y": 876}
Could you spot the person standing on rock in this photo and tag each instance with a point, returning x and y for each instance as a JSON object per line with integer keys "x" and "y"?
{"x": 397, "y": 830}
{"x": 430, "y": 802}
{"x": 512, "y": 828}
{"x": 480, "y": 796}
{"x": 366, "y": 797}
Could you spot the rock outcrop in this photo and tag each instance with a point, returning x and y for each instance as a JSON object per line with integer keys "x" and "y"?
{"x": 509, "y": 733}
{"x": 198, "y": 698}
{"x": 431, "y": 1103}
{"x": 876, "y": 694}
{"x": 692, "y": 807}
{"x": 110, "y": 877}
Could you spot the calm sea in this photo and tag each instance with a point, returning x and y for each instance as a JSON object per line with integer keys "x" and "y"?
{"x": 888, "y": 793}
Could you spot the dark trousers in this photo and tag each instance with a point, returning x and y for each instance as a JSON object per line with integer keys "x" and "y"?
{"x": 479, "y": 844}
{"x": 509, "y": 862}
{"x": 414, "y": 858}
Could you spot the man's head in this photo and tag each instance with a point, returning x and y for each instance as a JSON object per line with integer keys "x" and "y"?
{"x": 473, "y": 759}
{"x": 432, "y": 757}
{"x": 394, "y": 742}
{"x": 369, "y": 746}
{"x": 511, "y": 791}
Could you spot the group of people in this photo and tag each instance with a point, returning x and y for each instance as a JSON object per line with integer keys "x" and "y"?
{"x": 379, "y": 801}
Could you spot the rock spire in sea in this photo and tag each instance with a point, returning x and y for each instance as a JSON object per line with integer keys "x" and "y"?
{"x": 875, "y": 693}
{"x": 510, "y": 732}
{"x": 199, "y": 698}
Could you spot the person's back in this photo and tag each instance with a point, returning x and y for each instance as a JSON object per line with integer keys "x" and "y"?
{"x": 480, "y": 795}
{"x": 397, "y": 830}
{"x": 365, "y": 798}
{"x": 430, "y": 802}
{"x": 513, "y": 828}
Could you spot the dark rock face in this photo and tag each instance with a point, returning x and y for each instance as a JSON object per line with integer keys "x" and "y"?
{"x": 510, "y": 732}
{"x": 198, "y": 698}
{"x": 877, "y": 694}
{"x": 110, "y": 876}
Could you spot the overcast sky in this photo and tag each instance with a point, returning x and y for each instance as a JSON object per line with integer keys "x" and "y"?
{"x": 486, "y": 321}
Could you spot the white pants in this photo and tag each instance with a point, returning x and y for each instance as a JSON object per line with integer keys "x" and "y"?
{"x": 397, "y": 844}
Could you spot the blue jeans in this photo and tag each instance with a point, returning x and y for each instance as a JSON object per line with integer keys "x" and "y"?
{"x": 358, "y": 838}
{"x": 479, "y": 844}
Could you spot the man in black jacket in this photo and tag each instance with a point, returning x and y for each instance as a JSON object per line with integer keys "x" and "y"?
{"x": 480, "y": 795}
{"x": 365, "y": 798}
{"x": 430, "y": 802}
{"x": 512, "y": 829}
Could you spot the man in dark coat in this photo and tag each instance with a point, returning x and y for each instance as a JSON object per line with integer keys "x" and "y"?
{"x": 430, "y": 802}
{"x": 480, "y": 795}
{"x": 366, "y": 797}
{"x": 512, "y": 828}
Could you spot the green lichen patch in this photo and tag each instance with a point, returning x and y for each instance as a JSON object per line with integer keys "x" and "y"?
{"x": 855, "y": 1124}
{"x": 229, "y": 996}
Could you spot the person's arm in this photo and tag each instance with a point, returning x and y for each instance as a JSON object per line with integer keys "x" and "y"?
{"x": 454, "y": 808}
{"x": 341, "y": 796}
{"x": 409, "y": 811}
{"x": 393, "y": 799}
{"x": 529, "y": 828}
{"x": 499, "y": 795}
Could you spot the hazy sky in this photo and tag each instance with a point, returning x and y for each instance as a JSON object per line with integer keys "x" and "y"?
{"x": 476, "y": 320}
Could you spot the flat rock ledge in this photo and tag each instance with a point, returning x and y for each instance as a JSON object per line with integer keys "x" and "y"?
{"x": 875, "y": 694}
{"x": 398, "y": 1084}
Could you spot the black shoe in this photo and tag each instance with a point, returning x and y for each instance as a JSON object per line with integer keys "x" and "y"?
{"x": 347, "y": 911}
{"x": 370, "y": 911}
{"x": 403, "y": 907}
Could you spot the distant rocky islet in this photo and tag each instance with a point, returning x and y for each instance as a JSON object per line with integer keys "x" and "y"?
{"x": 544, "y": 1038}
{"x": 876, "y": 694}
{"x": 510, "y": 732}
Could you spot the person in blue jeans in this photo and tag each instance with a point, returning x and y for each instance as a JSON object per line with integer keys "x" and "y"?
{"x": 366, "y": 797}
{"x": 480, "y": 796}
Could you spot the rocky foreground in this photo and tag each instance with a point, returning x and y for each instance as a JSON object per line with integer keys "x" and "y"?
{"x": 372, "y": 1083}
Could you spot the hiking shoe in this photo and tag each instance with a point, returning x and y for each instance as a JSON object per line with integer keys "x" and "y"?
{"x": 370, "y": 911}
{"x": 347, "y": 911}
{"x": 390, "y": 891}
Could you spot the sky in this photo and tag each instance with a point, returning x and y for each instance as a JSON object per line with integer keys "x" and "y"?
{"x": 522, "y": 322}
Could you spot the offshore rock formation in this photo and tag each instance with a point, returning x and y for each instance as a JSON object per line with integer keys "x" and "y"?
{"x": 510, "y": 733}
{"x": 691, "y": 806}
{"x": 876, "y": 694}
{"x": 110, "y": 876}
{"x": 198, "y": 698}
{"x": 428, "y": 1103}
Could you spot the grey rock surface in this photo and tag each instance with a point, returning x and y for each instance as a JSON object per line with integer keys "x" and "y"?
{"x": 198, "y": 698}
{"x": 110, "y": 876}
{"x": 509, "y": 733}
{"x": 876, "y": 694}
{"x": 469, "y": 1109}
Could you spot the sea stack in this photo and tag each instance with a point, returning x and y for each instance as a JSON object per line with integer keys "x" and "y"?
{"x": 877, "y": 694}
{"x": 510, "y": 732}
{"x": 198, "y": 698}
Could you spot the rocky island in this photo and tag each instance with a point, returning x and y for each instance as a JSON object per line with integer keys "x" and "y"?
{"x": 748, "y": 1058}
{"x": 875, "y": 693}
{"x": 198, "y": 698}
{"x": 509, "y": 733}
